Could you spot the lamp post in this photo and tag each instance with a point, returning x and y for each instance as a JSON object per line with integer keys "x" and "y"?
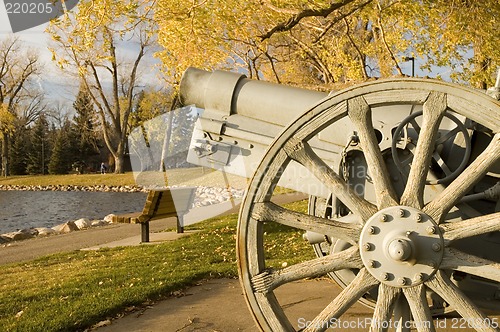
{"x": 412, "y": 59}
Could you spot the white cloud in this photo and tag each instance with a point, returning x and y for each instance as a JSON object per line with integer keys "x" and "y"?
{"x": 56, "y": 85}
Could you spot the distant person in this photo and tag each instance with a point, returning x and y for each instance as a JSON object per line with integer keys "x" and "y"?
{"x": 103, "y": 168}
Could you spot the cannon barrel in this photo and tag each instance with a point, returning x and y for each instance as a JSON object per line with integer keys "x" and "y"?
{"x": 232, "y": 93}
{"x": 241, "y": 117}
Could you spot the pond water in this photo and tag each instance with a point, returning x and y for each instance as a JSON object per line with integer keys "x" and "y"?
{"x": 25, "y": 209}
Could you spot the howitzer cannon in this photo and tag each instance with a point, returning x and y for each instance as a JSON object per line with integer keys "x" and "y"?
{"x": 404, "y": 182}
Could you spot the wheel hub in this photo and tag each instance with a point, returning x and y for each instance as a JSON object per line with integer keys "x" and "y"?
{"x": 401, "y": 246}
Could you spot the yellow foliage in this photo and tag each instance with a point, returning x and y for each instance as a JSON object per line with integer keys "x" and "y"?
{"x": 7, "y": 120}
{"x": 360, "y": 39}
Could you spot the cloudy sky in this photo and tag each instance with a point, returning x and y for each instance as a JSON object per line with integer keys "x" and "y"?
{"x": 57, "y": 87}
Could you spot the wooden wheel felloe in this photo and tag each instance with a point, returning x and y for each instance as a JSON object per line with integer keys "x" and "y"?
{"x": 404, "y": 243}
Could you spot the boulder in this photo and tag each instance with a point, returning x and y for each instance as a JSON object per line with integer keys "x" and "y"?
{"x": 23, "y": 234}
{"x": 97, "y": 223}
{"x": 109, "y": 218}
{"x": 67, "y": 227}
{"x": 44, "y": 231}
{"x": 83, "y": 223}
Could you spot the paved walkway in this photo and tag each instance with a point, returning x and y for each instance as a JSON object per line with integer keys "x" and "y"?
{"x": 219, "y": 305}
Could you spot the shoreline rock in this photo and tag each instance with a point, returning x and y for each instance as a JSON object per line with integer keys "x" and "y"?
{"x": 67, "y": 227}
{"x": 95, "y": 188}
{"x": 19, "y": 235}
{"x": 44, "y": 231}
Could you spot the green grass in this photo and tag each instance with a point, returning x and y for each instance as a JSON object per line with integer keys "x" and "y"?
{"x": 195, "y": 176}
{"x": 70, "y": 179}
{"x": 73, "y": 291}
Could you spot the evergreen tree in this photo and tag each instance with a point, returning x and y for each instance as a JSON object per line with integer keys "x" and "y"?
{"x": 60, "y": 159}
{"x": 82, "y": 133}
{"x": 18, "y": 151}
{"x": 39, "y": 151}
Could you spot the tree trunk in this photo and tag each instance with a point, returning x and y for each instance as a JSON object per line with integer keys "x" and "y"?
{"x": 5, "y": 155}
{"x": 119, "y": 161}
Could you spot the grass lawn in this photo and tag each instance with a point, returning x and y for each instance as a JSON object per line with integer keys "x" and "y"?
{"x": 73, "y": 291}
{"x": 70, "y": 179}
{"x": 195, "y": 176}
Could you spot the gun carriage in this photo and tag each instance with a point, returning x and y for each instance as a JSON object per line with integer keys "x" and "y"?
{"x": 403, "y": 177}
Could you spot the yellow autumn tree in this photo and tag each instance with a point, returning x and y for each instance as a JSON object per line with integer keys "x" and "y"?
{"x": 343, "y": 41}
{"x": 18, "y": 66}
{"x": 90, "y": 43}
{"x": 7, "y": 119}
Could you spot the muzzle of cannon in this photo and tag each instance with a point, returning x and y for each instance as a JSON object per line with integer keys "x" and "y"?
{"x": 404, "y": 210}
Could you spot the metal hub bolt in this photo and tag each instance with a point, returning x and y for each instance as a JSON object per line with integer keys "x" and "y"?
{"x": 401, "y": 246}
{"x": 431, "y": 230}
{"x": 436, "y": 246}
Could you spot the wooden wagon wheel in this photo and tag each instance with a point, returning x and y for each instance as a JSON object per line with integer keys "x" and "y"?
{"x": 393, "y": 232}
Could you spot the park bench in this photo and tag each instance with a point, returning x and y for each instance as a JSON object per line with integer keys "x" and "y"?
{"x": 161, "y": 203}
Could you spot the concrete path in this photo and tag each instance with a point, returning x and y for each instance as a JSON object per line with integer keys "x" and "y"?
{"x": 219, "y": 305}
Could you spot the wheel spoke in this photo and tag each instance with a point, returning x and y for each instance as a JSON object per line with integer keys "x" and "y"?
{"x": 457, "y": 260}
{"x": 434, "y": 109}
{"x": 417, "y": 300}
{"x": 454, "y": 231}
{"x": 447, "y": 136}
{"x": 361, "y": 284}
{"x": 386, "y": 300}
{"x": 442, "y": 285}
{"x": 437, "y": 158}
{"x": 271, "y": 212}
{"x": 270, "y": 279}
{"x": 304, "y": 154}
{"x": 449, "y": 197}
{"x": 402, "y": 315}
{"x": 360, "y": 114}
{"x": 415, "y": 125}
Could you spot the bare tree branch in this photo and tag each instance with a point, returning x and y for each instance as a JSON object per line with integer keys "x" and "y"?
{"x": 328, "y": 77}
{"x": 386, "y": 44}
{"x": 340, "y": 18}
{"x": 296, "y": 18}
{"x": 360, "y": 54}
